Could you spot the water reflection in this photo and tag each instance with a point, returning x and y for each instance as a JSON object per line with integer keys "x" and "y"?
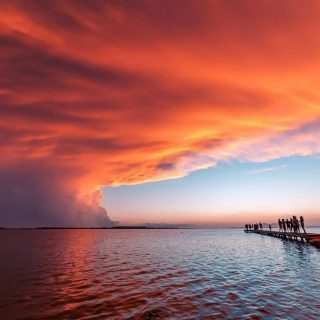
{"x": 145, "y": 274}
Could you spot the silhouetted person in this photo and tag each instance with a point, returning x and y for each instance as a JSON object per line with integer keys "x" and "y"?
{"x": 260, "y": 225}
{"x": 295, "y": 224}
{"x": 298, "y": 226}
{"x": 270, "y": 227}
{"x": 280, "y": 225}
{"x": 249, "y": 226}
{"x": 288, "y": 224}
{"x": 291, "y": 225}
{"x": 284, "y": 226}
{"x": 302, "y": 224}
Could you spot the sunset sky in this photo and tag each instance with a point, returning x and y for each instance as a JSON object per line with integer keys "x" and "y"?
{"x": 195, "y": 112}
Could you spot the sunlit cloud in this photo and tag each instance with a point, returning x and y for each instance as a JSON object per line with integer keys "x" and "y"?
{"x": 125, "y": 93}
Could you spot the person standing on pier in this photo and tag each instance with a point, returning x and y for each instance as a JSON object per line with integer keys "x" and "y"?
{"x": 270, "y": 227}
{"x": 302, "y": 224}
{"x": 284, "y": 226}
{"x": 288, "y": 224}
{"x": 291, "y": 225}
{"x": 260, "y": 226}
{"x": 280, "y": 225}
{"x": 295, "y": 224}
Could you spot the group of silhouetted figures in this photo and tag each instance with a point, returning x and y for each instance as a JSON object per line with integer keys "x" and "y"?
{"x": 288, "y": 225}
{"x": 292, "y": 224}
{"x": 255, "y": 226}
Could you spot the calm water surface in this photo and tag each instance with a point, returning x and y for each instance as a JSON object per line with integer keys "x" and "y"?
{"x": 179, "y": 274}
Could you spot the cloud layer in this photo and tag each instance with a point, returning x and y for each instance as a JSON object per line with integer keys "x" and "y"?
{"x": 124, "y": 92}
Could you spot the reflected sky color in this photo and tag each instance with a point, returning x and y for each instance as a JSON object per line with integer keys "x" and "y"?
{"x": 190, "y": 274}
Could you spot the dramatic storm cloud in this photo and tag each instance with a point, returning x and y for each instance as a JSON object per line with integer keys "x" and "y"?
{"x": 35, "y": 194}
{"x": 96, "y": 93}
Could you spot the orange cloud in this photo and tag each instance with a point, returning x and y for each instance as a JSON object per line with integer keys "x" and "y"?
{"x": 132, "y": 92}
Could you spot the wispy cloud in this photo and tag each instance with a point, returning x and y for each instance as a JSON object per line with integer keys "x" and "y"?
{"x": 266, "y": 169}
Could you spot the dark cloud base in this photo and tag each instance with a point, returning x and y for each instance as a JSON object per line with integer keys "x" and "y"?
{"x": 36, "y": 194}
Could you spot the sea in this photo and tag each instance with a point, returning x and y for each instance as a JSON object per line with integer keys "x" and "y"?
{"x": 156, "y": 274}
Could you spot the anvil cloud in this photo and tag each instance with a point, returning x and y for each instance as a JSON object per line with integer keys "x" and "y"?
{"x": 96, "y": 93}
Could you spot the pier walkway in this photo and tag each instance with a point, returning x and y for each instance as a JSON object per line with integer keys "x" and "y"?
{"x": 312, "y": 238}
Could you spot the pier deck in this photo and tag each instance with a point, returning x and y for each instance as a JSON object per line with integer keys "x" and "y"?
{"x": 312, "y": 238}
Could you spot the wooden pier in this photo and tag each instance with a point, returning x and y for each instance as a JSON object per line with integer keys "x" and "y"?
{"x": 312, "y": 238}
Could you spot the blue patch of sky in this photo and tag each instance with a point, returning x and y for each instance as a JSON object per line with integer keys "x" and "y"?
{"x": 281, "y": 185}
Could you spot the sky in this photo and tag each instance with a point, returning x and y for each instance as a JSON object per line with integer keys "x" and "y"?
{"x": 184, "y": 112}
{"x": 225, "y": 195}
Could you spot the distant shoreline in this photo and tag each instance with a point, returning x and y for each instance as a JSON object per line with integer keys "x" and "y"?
{"x": 124, "y": 228}
{"x": 92, "y": 228}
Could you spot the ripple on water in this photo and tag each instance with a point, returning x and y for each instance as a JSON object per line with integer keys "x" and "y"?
{"x": 158, "y": 274}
